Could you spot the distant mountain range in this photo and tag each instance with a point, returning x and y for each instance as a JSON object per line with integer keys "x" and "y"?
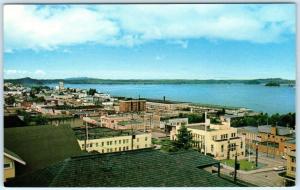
{"x": 85, "y": 80}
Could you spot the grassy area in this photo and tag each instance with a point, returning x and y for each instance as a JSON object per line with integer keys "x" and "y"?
{"x": 123, "y": 123}
{"x": 244, "y": 164}
{"x": 166, "y": 144}
{"x": 41, "y": 146}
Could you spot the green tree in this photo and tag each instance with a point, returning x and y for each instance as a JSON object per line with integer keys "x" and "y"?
{"x": 92, "y": 91}
{"x": 10, "y": 100}
{"x": 184, "y": 138}
{"x": 40, "y": 120}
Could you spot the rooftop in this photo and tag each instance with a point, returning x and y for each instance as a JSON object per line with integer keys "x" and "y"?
{"x": 250, "y": 129}
{"x": 99, "y": 132}
{"x": 139, "y": 168}
{"x": 280, "y": 130}
{"x": 199, "y": 127}
{"x": 41, "y": 146}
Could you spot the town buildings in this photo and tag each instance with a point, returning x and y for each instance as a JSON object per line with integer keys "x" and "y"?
{"x": 137, "y": 168}
{"x": 218, "y": 140}
{"x": 290, "y": 156}
{"x": 271, "y": 140}
{"x": 132, "y": 105}
{"x": 105, "y": 140}
{"x": 10, "y": 161}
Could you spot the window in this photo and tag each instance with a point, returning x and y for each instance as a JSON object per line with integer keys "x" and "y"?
{"x": 293, "y": 168}
{"x": 241, "y": 144}
{"x": 146, "y": 139}
{"x": 137, "y": 139}
{"x": 120, "y": 141}
{"x": 232, "y": 135}
{"x": 126, "y": 147}
{"x": 212, "y": 148}
{"x": 127, "y": 140}
{"x": 102, "y": 143}
{"x": 83, "y": 146}
{"x": 137, "y": 146}
{"x": 293, "y": 159}
{"x": 115, "y": 142}
{"x": 222, "y": 148}
{"x": 145, "y": 145}
{"x": 107, "y": 142}
{"x": 116, "y": 149}
{"x": 214, "y": 137}
{"x": 111, "y": 150}
{"x": 110, "y": 142}
{"x": 8, "y": 165}
{"x": 91, "y": 145}
{"x": 242, "y": 153}
{"x": 232, "y": 146}
{"x": 102, "y": 150}
{"x": 96, "y": 144}
{"x": 123, "y": 141}
{"x": 120, "y": 148}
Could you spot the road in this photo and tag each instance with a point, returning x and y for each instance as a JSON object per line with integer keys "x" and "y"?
{"x": 264, "y": 177}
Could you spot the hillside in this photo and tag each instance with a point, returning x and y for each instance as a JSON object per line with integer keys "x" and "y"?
{"x": 84, "y": 80}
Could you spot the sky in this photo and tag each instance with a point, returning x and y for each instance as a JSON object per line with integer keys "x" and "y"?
{"x": 186, "y": 41}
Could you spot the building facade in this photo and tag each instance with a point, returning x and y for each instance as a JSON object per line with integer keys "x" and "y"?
{"x": 132, "y": 106}
{"x": 10, "y": 160}
{"x": 116, "y": 143}
{"x": 221, "y": 141}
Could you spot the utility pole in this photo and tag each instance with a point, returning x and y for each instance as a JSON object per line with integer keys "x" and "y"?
{"x": 131, "y": 131}
{"x": 256, "y": 155}
{"x": 86, "y": 134}
{"x": 205, "y": 151}
{"x": 236, "y": 164}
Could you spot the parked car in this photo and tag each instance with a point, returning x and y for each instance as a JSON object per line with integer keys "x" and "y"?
{"x": 283, "y": 157}
{"x": 279, "y": 168}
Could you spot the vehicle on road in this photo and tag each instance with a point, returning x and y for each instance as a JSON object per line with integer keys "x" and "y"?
{"x": 279, "y": 168}
{"x": 283, "y": 157}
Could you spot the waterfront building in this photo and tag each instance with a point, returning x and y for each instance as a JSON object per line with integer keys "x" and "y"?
{"x": 10, "y": 161}
{"x": 165, "y": 106}
{"x": 61, "y": 86}
{"x": 219, "y": 140}
{"x": 104, "y": 140}
{"x": 132, "y": 105}
{"x": 143, "y": 121}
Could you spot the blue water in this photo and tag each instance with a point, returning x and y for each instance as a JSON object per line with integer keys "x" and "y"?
{"x": 256, "y": 97}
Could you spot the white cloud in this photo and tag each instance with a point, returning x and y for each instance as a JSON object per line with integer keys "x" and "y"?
{"x": 15, "y": 72}
{"x": 48, "y": 27}
{"x": 40, "y": 73}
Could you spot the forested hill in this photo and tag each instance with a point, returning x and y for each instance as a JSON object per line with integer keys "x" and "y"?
{"x": 85, "y": 80}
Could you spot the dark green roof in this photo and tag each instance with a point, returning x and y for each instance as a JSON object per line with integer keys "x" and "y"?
{"x": 139, "y": 168}
{"x": 41, "y": 146}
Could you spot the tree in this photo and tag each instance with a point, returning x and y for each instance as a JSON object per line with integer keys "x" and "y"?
{"x": 193, "y": 118}
{"x": 40, "y": 120}
{"x": 92, "y": 91}
{"x": 10, "y": 100}
{"x": 184, "y": 138}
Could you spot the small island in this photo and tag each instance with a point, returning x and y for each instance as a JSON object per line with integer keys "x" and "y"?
{"x": 272, "y": 84}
